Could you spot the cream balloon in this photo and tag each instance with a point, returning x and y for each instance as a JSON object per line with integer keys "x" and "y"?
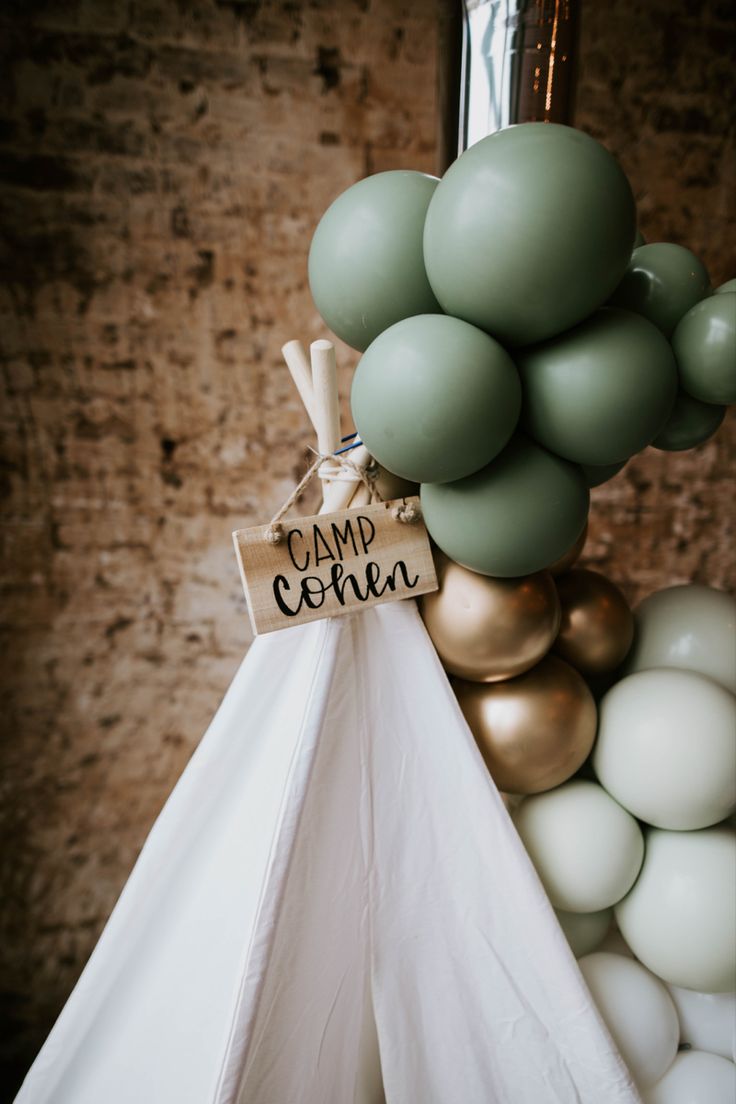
{"x": 693, "y": 627}
{"x": 666, "y": 748}
{"x": 585, "y": 931}
{"x": 707, "y": 1020}
{"x": 638, "y": 1011}
{"x": 695, "y": 1078}
{"x": 586, "y": 849}
{"x": 533, "y": 731}
{"x": 679, "y": 919}
{"x": 487, "y": 629}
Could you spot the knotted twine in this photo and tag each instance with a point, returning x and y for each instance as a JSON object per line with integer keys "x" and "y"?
{"x": 406, "y": 512}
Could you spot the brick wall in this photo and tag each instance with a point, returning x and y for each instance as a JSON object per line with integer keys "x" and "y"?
{"x": 165, "y": 163}
{"x": 657, "y": 86}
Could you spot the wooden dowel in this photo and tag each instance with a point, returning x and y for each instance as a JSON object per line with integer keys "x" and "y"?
{"x": 338, "y": 494}
{"x": 298, "y": 364}
{"x": 326, "y": 404}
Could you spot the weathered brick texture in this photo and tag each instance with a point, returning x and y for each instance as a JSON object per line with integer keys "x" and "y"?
{"x": 165, "y": 163}
{"x": 657, "y": 86}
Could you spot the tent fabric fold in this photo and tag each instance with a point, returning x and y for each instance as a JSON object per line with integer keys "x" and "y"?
{"x": 333, "y": 907}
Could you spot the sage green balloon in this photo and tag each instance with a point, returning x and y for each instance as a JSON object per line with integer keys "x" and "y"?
{"x": 515, "y": 517}
{"x": 600, "y": 392}
{"x": 366, "y": 269}
{"x": 529, "y": 231}
{"x": 705, "y": 348}
{"x": 435, "y": 399}
{"x": 690, "y": 423}
{"x": 596, "y": 474}
{"x": 663, "y": 281}
{"x": 730, "y": 285}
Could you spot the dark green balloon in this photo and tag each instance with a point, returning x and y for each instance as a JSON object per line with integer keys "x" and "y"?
{"x": 435, "y": 398}
{"x": 663, "y": 281}
{"x": 529, "y": 231}
{"x": 515, "y": 517}
{"x": 705, "y": 349}
{"x": 690, "y": 423}
{"x": 601, "y": 392}
{"x": 366, "y": 268}
{"x": 639, "y": 239}
{"x": 595, "y": 474}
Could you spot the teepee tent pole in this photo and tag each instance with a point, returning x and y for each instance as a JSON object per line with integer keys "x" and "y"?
{"x": 347, "y": 491}
{"x": 326, "y": 404}
{"x": 301, "y": 372}
{"x": 338, "y": 493}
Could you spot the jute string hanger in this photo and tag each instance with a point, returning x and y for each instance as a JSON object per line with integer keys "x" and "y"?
{"x": 346, "y": 481}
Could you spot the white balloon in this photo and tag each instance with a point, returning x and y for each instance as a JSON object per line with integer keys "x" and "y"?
{"x": 584, "y": 931}
{"x": 638, "y": 1012}
{"x": 680, "y": 917}
{"x": 587, "y": 850}
{"x": 707, "y": 1020}
{"x": 666, "y": 748}
{"x": 692, "y": 627}
{"x": 695, "y": 1078}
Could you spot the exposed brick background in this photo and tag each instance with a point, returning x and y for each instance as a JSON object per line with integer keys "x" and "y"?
{"x": 657, "y": 85}
{"x": 165, "y": 163}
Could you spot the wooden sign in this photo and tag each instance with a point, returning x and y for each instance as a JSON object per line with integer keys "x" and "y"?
{"x": 332, "y": 564}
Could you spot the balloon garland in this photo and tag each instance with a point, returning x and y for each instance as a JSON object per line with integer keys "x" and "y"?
{"x": 521, "y": 342}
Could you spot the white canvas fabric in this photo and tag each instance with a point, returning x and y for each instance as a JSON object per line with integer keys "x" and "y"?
{"x": 333, "y": 905}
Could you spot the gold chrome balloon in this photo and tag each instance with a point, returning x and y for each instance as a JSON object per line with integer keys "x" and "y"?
{"x": 487, "y": 629}
{"x": 573, "y": 553}
{"x": 597, "y": 625}
{"x": 533, "y": 731}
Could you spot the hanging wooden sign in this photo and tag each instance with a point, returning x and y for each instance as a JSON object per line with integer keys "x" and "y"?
{"x": 332, "y": 564}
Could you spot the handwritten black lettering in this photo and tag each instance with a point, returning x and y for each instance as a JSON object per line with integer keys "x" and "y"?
{"x": 346, "y": 535}
{"x": 391, "y": 578}
{"x": 339, "y": 588}
{"x": 370, "y": 527}
{"x": 311, "y": 594}
{"x": 328, "y": 553}
{"x": 314, "y": 591}
{"x": 298, "y": 566}
{"x": 282, "y": 583}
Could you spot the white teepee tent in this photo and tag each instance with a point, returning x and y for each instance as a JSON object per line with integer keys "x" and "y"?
{"x": 335, "y": 876}
{"x": 334, "y": 906}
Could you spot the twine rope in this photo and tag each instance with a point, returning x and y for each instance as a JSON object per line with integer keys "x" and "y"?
{"x": 406, "y": 512}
